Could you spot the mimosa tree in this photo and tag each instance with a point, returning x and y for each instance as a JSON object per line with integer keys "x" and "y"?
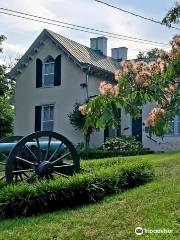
{"x": 138, "y": 83}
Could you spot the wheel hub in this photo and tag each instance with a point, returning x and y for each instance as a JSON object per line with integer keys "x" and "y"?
{"x": 45, "y": 167}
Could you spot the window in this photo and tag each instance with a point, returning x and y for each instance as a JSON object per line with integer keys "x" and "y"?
{"x": 110, "y": 132}
{"x": 48, "y": 72}
{"x": 47, "y": 116}
{"x": 178, "y": 124}
{"x": 175, "y": 127}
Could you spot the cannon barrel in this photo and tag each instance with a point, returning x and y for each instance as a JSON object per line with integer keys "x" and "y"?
{"x": 8, "y": 147}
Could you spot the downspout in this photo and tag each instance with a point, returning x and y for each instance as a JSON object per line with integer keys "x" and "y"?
{"x": 87, "y": 81}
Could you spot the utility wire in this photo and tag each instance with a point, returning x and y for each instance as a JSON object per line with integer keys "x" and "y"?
{"x": 78, "y": 27}
{"x": 134, "y": 14}
{"x": 83, "y": 27}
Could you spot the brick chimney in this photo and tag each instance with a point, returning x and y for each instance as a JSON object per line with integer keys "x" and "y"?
{"x": 99, "y": 44}
{"x": 119, "y": 54}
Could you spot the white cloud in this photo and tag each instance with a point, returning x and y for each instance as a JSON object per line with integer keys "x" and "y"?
{"x": 33, "y": 7}
{"x": 87, "y": 13}
{"x": 11, "y": 52}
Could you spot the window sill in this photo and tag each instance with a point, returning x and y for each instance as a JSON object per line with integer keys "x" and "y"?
{"x": 48, "y": 87}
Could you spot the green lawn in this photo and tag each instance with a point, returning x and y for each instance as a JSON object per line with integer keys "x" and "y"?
{"x": 155, "y": 205}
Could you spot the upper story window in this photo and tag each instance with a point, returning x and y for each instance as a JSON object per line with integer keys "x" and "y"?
{"x": 48, "y": 72}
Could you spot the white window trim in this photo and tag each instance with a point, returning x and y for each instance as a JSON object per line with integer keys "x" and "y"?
{"x": 43, "y": 74}
{"x": 175, "y": 133}
{"x": 42, "y": 114}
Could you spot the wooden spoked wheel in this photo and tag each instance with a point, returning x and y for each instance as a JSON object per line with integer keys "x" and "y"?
{"x": 4, "y": 156}
{"x": 41, "y": 155}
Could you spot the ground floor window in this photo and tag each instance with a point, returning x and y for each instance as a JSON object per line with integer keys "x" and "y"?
{"x": 47, "y": 118}
{"x": 175, "y": 126}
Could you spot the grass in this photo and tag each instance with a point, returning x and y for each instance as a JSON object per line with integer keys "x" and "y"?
{"x": 155, "y": 205}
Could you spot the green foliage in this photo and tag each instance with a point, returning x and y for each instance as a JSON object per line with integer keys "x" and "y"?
{"x": 153, "y": 53}
{"x": 6, "y": 117}
{"x": 2, "y": 38}
{"x": 98, "y": 154}
{"x": 103, "y": 113}
{"x": 45, "y": 196}
{"x": 154, "y": 204}
{"x": 139, "y": 83}
{"x": 6, "y": 111}
{"x": 172, "y": 109}
{"x": 77, "y": 120}
{"x": 122, "y": 143}
{"x": 172, "y": 15}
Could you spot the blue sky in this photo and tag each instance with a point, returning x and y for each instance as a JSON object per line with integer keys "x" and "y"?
{"x": 21, "y": 33}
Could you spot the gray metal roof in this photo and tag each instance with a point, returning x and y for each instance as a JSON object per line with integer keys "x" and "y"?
{"x": 85, "y": 54}
{"x": 82, "y": 55}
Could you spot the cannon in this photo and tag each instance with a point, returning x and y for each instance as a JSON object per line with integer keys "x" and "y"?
{"x": 40, "y": 155}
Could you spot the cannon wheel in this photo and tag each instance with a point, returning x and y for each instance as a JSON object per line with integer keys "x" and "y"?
{"x": 4, "y": 157}
{"x": 30, "y": 163}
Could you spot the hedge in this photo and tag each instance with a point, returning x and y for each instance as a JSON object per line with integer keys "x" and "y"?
{"x": 96, "y": 154}
{"x": 88, "y": 187}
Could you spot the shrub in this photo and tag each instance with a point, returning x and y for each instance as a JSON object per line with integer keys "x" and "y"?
{"x": 123, "y": 143}
{"x": 96, "y": 154}
{"x": 45, "y": 196}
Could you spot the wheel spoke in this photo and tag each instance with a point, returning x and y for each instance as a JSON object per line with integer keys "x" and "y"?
{"x": 16, "y": 177}
{"x": 25, "y": 174}
{"x": 22, "y": 171}
{"x": 61, "y": 174}
{"x": 2, "y": 178}
{"x": 56, "y": 151}
{"x": 39, "y": 147}
{"x": 6, "y": 157}
{"x": 48, "y": 149}
{"x": 29, "y": 178}
{"x": 64, "y": 165}
{"x": 26, "y": 161}
{"x": 20, "y": 175}
{"x": 29, "y": 150}
{"x": 1, "y": 163}
{"x": 59, "y": 159}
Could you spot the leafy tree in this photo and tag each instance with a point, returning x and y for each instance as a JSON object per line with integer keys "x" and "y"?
{"x": 6, "y": 110}
{"x": 172, "y": 16}
{"x": 77, "y": 119}
{"x": 140, "y": 82}
{"x": 153, "y": 53}
{"x": 6, "y": 117}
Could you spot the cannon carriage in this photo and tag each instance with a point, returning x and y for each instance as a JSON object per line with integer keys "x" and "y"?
{"x": 40, "y": 155}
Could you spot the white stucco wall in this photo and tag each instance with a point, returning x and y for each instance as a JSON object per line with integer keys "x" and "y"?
{"x": 27, "y": 96}
{"x": 97, "y": 138}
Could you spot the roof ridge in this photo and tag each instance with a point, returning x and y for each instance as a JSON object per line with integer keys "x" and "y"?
{"x": 50, "y": 31}
{"x": 80, "y": 53}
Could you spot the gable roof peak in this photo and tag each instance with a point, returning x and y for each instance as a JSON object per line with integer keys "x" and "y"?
{"x": 81, "y": 54}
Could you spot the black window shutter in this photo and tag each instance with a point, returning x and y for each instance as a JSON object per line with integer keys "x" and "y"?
{"x": 119, "y": 123}
{"x": 37, "y": 118}
{"x": 38, "y": 73}
{"x": 106, "y": 133}
{"x": 57, "y": 73}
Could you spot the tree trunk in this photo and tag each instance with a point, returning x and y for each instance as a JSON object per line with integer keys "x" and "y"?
{"x": 87, "y": 141}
